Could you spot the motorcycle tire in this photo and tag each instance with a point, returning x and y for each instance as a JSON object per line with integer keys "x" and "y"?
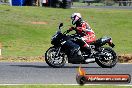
{"x": 113, "y": 55}
{"x": 49, "y": 59}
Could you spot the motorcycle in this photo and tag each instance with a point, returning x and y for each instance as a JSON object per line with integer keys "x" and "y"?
{"x": 64, "y": 46}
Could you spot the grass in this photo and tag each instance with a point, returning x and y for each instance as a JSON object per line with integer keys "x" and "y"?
{"x": 20, "y": 37}
{"x": 95, "y": 4}
{"x": 61, "y": 86}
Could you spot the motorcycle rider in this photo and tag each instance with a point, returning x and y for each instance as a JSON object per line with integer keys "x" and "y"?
{"x": 83, "y": 29}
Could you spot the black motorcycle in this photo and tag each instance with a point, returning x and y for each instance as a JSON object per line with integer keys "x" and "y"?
{"x": 69, "y": 49}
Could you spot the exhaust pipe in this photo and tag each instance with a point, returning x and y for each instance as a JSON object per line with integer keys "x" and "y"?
{"x": 90, "y": 60}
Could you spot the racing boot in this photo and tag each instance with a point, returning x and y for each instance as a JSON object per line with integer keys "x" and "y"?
{"x": 77, "y": 58}
{"x": 88, "y": 49}
{"x": 79, "y": 55}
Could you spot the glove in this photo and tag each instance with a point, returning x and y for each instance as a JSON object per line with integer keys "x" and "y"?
{"x": 72, "y": 28}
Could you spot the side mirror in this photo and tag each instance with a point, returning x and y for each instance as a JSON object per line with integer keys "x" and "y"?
{"x": 61, "y": 24}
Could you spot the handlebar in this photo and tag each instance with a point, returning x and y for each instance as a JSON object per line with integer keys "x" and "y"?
{"x": 65, "y": 32}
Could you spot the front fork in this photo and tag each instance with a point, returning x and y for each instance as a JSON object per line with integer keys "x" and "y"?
{"x": 58, "y": 51}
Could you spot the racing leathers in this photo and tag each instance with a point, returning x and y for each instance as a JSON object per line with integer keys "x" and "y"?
{"x": 83, "y": 29}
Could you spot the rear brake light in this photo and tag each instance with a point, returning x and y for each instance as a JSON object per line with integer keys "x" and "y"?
{"x": 111, "y": 41}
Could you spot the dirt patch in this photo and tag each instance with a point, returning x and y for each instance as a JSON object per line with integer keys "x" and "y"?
{"x": 22, "y": 59}
{"x": 125, "y": 58}
{"x": 122, "y": 58}
{"x": 39, "y": 23}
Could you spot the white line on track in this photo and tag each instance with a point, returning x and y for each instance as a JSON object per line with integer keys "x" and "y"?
{"x": 69, "y": 84}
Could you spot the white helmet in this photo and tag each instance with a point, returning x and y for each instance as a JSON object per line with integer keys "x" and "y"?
{"x": 75, "y": 17}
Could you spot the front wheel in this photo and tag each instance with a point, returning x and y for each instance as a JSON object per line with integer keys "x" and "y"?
{"x": 53, "y": 60}
{"x": 107, "y": 58}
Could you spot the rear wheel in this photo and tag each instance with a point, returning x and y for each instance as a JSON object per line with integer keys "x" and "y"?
{"x": 107, "y": 58}
{"x": 53, "y": 60}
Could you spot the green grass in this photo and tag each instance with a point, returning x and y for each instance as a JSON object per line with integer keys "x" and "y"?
{"x": 61, "y": 86}
{"x": 86, "y": 4}
{"x": 21, "y": 38}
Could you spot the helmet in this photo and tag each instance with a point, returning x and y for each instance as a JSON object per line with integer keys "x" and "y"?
{"x": 75, "y": 17}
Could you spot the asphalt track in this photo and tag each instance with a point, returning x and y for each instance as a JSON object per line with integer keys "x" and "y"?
{"x": 104, "y": 7}
{"x": 41, "y": 73}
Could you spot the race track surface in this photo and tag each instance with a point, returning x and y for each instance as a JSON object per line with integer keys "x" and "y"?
{"x": 41, "y": 73}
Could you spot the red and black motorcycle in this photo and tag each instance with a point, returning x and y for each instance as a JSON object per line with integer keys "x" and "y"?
{"x": 69, "y": 48}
